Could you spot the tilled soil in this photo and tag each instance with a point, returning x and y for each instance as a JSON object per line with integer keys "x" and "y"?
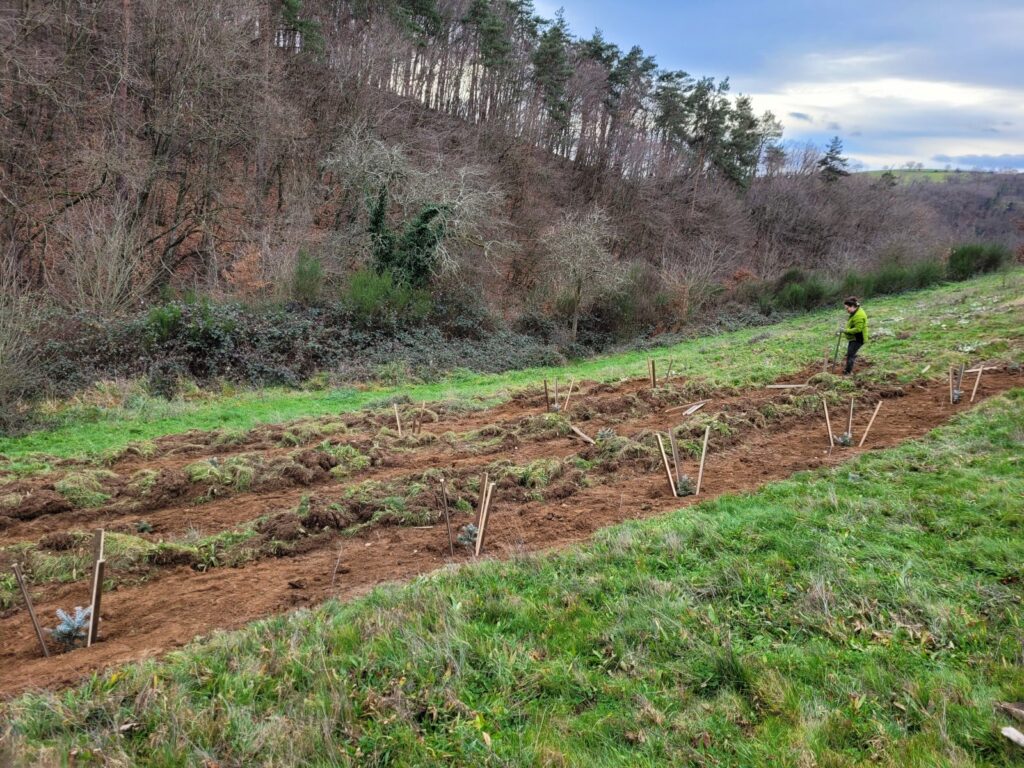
{"x": 174, "y": 604}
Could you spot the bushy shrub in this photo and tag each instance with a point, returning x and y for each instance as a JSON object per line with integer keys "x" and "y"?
{"x": 308, "y": 279}
{"x": 377, "y": 300}
{"x": 535, "y": 324}
{"x": 459, "y": 311}
{"x": 976, "y": 258}
{"x": 804, "y": 295}
{"x": 892, "y": 277}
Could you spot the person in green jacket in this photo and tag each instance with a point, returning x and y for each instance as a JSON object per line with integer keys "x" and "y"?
{"x": 856, "y": 331}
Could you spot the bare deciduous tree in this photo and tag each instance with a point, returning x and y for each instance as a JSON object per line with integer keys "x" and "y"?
{"x": 102, "y": 268}
{"x": 581, "y": 265}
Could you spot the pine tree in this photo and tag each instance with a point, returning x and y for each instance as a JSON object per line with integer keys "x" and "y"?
{"x": 833, "y": 165}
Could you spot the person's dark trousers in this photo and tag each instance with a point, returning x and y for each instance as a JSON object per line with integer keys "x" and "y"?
{"x": 851, "y": 354}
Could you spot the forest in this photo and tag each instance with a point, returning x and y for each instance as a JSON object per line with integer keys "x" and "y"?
{"x": 172, "y": 172}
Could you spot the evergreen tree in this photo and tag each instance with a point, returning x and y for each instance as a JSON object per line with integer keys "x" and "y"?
{"x": 832, "y": 166}
{"x": 552, "y": 70}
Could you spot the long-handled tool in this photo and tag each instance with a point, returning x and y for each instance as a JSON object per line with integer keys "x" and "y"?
{"x": 835, "y": 355}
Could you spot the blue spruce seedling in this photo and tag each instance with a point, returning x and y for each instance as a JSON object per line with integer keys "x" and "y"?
{"x": 71, "y": 630}
{"x": 467, "y": 536}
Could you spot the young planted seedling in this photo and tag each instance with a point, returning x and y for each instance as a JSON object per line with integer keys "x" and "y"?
{"x": 468, "y": 535}
{"x": 72, "y": 630}
{"x": 685, "y": 486}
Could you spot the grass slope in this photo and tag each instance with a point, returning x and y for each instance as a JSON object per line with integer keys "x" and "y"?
{"x": 940, "y": 326}
{"x": 869, "y": 613}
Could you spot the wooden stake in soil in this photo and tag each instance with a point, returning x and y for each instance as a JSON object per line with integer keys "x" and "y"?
{"x": 828, "y": 424}
{"x": 98, "y": 542}
{"x": 483, "y": 498}
{"x": 398, "y": 420}
{"x": 547, "y": 397}
{"x": 447, "y": 518}
{"x": 865, "y": 437}
{"x": 703, "y": 455}
{"x": 977, "y": 381}
{"x": 849, "y": 424}
{"x": 675, "y": 453}
{"x": 951, "y": 385}
{"x": 654, "y": 373}
{"x": 18, "y": 577}
{"x": 565, "y": 408}
{"x": 98, "y": 565}
{"x": 97, "y": 593}
{"x": 668, "y": 471}
{"x": 482, "y": 528}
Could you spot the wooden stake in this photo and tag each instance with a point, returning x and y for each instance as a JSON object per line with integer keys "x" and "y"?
{"x": 398, "y": 420}
{"x": 703, "y": 455}
{"x": 31, "y": 610}
{"x": 565, "y": 408}
{"x": 694, "y": 408}
{"x": 668, "y": 471}
{"x": 960, "y": 379}
{"x": 828, "y": 424}
{"x": 654, "y": 373}
{"x": 977, "y": 381}
{"x": 983, "y": 368}
{"x": 675, "y": 453}
{"x": 865, "y": 437}
{"x": 786, "y": 386}
{"x": 582, "y": 435}
{"x": 951, "y": 385}
{"x": 547, "y": 397}
{"x": 675, "y": 408}
{"x": 849, "y": 425}
{"x": 668, "y": 371}
{"x": 98, "y": 543}
{"x": 97, "y": 593}
{"x": 447, "y": 518}
{"x": 483, "y": 520}
{"x": 483, "y": 497}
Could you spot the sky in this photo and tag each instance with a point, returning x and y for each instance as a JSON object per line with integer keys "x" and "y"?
{"x": 939, "y": 83}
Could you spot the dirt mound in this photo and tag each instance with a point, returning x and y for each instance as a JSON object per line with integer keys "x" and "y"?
{"x": 283, "y": 527}
{"x": 39, "y": 502}
{"x": 58, "y": 541}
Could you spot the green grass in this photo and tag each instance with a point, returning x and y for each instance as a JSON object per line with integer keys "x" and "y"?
{"x": 864, "y": 614}
{"x": 907, "y": 176}
{"x": 971, "y": 316}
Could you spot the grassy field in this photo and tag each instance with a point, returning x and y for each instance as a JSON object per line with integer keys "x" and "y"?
{"x": 867, "y": 614}
{"x": 941, "y": 326}
{"x": 910, "y": 176}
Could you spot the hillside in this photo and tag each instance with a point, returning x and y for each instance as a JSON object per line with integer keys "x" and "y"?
{"x": 476, "y": 139}
{"x": 861, "y": 609}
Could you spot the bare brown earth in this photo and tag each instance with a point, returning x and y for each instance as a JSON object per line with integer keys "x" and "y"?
{"x": 168, "y": 605}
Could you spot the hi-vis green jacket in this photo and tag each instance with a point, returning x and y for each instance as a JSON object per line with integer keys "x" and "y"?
{"x": 857, "y": 325}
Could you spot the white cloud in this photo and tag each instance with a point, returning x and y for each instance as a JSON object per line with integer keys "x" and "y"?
{"x": 900, "y": 119}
